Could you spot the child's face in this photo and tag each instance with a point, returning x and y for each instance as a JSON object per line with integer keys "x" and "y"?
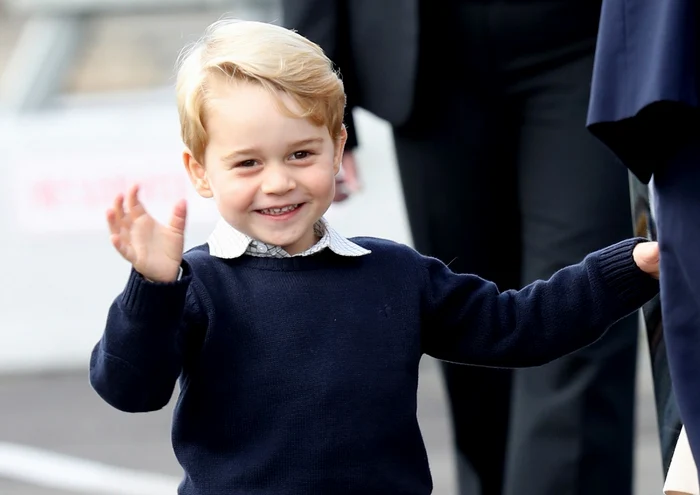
{"x": 259, "y": 160}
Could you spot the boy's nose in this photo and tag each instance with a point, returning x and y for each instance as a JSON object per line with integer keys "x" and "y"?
{"x": 277, "y": 181}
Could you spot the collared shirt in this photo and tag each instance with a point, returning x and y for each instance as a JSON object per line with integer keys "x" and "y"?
{"x": 227, "y": 242}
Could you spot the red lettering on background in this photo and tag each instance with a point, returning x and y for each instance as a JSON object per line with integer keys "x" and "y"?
{"x": 44, "y": 194}
{"x": 163, "y": 188}
{"x": 49, "y": 194}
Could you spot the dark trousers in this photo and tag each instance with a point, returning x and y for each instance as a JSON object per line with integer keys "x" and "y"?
{"x": 677, "y": 195}
{"x": 502, "y": 179}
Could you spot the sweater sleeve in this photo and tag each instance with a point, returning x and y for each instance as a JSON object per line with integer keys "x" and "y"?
{"x": 468, "y": 320}
{"x": 136, "y": 363}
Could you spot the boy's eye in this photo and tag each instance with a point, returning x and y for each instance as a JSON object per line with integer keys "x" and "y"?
{"x": 247, "y": 163}
{"x": 300, "y": 155}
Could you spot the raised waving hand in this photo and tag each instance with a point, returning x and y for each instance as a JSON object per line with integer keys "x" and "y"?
{"x": 154, "y": 249}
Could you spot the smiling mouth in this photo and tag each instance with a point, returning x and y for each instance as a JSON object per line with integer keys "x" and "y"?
{"x": 280, "y": 211}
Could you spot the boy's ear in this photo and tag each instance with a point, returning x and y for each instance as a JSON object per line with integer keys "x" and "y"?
{"x": 197, "y": 174}
{"x": 339, "y": 149}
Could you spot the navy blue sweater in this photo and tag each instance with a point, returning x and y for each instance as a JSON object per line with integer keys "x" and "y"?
{"x": 299, "y": 375}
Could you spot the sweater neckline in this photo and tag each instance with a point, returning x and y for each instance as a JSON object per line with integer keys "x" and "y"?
{"x": 316, "y": 261}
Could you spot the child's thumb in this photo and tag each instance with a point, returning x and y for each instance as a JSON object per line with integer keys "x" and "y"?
{"x": 647, "y": 253}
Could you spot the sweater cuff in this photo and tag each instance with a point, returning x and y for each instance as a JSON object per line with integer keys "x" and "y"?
{"x": 633, "y": 287}
{"x": 147, "y": 299}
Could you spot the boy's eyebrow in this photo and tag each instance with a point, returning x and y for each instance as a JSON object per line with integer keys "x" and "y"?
{"x": 306, "y": 142}
{"x": 251, "y": 151}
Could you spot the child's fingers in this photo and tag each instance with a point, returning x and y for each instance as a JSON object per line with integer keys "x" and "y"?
{"x": 650, "y": 252}
{"x": 179, "y": 216}
{"x": 116, "y": 242}
{"x": 112, "y": 222}
{"x": 118, "y": 208}
{"x": 133, "y": 204}
{"x": 646, "y": 256}
{"x": 120, "y": 245}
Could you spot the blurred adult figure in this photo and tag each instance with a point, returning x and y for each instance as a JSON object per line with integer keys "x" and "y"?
{"x": 487, "y": 100}
{"x": 645, "y": 105}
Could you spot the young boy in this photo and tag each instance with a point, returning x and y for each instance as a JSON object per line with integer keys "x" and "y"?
{"x": 297, "y": 349}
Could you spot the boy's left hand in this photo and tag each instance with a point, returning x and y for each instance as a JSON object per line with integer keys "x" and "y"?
{"x": 646, "y": 255}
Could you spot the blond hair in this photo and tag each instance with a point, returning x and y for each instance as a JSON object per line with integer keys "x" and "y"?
{"x": 278, "y": 59}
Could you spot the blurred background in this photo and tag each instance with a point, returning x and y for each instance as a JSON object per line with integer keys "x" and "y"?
{"x": 86, "y": 108}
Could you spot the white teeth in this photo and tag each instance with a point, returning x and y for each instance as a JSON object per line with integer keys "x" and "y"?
{"x": 279, "y": 211}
